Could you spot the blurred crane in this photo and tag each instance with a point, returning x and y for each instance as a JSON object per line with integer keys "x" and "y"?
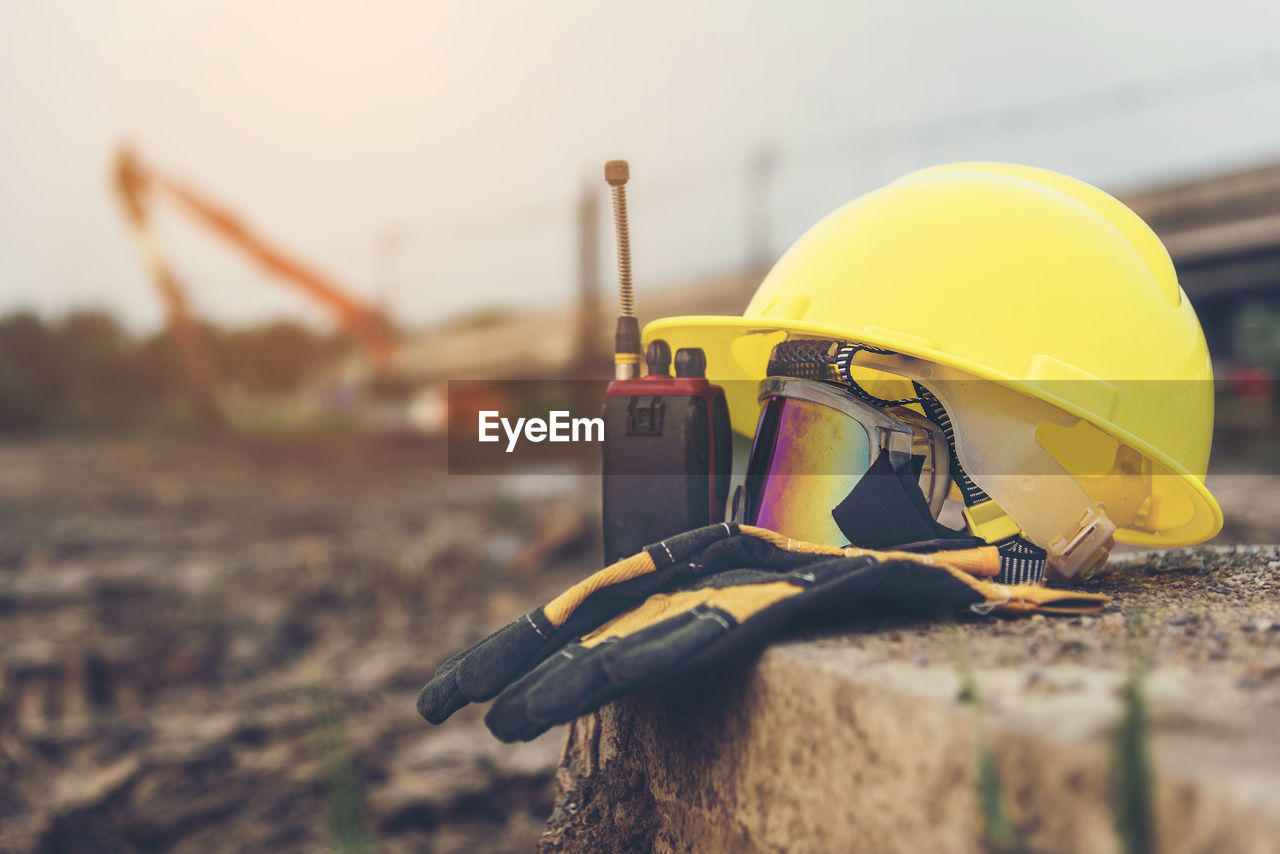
{"x": 137, "y": 184}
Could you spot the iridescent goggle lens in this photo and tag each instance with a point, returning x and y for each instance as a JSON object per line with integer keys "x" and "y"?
{"x": 814, "y": 443}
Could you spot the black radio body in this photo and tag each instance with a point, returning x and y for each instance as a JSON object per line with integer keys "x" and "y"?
{"x": 667, "y": 453}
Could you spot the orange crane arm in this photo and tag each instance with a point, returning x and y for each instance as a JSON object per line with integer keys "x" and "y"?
{"x": 135, "y": 181}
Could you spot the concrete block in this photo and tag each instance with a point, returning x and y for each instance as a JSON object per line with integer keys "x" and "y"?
{"x": 858, "y": 740}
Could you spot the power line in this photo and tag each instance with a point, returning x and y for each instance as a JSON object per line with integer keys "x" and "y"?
{"x": 1226, "y": 77}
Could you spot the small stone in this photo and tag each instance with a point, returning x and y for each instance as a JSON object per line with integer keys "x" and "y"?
{"x": 1184, "y": 619}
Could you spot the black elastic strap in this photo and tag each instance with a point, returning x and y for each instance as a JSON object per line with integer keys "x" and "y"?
{"x": 1021, "y": 561}
{"x": 937, "y": 413}
{"x": 886, "y": 508}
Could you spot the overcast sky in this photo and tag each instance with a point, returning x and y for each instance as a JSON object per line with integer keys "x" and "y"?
{"x": 463, "y": 132}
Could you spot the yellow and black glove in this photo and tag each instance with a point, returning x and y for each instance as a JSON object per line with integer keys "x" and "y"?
{"x": 696, "y": 599}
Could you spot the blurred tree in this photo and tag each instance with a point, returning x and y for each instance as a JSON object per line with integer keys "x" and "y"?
{"x": 95, "y": 359}
{"x": 1258, "y": 335}
{"x": 272, "y": 359}
{"x": 30, "y": 379}
{"x": 86, "y": 372}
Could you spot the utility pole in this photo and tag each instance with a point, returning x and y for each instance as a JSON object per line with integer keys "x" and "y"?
{"x": 388, "y": 251}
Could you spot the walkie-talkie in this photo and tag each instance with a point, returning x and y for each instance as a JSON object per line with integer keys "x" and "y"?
{"x": 667, "y": 442}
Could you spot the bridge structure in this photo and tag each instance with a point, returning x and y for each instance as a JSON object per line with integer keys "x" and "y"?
{"x": 1223, "y": 233}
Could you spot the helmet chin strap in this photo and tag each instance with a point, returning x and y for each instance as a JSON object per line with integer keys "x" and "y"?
{"x": 886, "y": 509}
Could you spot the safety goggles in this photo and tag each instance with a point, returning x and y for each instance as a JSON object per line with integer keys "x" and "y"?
{"x": 813, "y": 476}
{"x": 814, "y": 445}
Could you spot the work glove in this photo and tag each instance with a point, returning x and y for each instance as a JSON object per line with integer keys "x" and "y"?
{"x": 696, "y": 599}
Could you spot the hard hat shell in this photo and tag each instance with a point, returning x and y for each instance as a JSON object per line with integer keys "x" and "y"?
{"x": 1014, "y": 274}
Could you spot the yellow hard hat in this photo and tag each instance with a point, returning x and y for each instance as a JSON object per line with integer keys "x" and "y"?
{"x": 1041, "y": 283}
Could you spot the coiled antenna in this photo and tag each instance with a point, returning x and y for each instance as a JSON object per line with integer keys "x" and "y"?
{"x": 621, "y": 230}
{"x": 626, "y": 349}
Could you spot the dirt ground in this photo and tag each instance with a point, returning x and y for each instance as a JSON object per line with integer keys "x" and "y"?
{"x": 217, "y": 646}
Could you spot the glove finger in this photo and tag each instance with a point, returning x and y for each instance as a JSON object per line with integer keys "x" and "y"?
{"x": 663, "y": 650}
{"x": 564, "y": 683}
{"x": 565, "y": 687}
{"x": 581, "y": 679}
{"x": 505, "y": 655}
{"x": 451, "y": 663}
{"x": 508, "y": 654}
{"x": 485, "y": 668}
{"x": 488, "y": 667}
{"x": 440, "y": 697}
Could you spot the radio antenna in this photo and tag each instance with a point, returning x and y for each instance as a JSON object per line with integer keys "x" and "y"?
{"x": 626, "y": 339}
